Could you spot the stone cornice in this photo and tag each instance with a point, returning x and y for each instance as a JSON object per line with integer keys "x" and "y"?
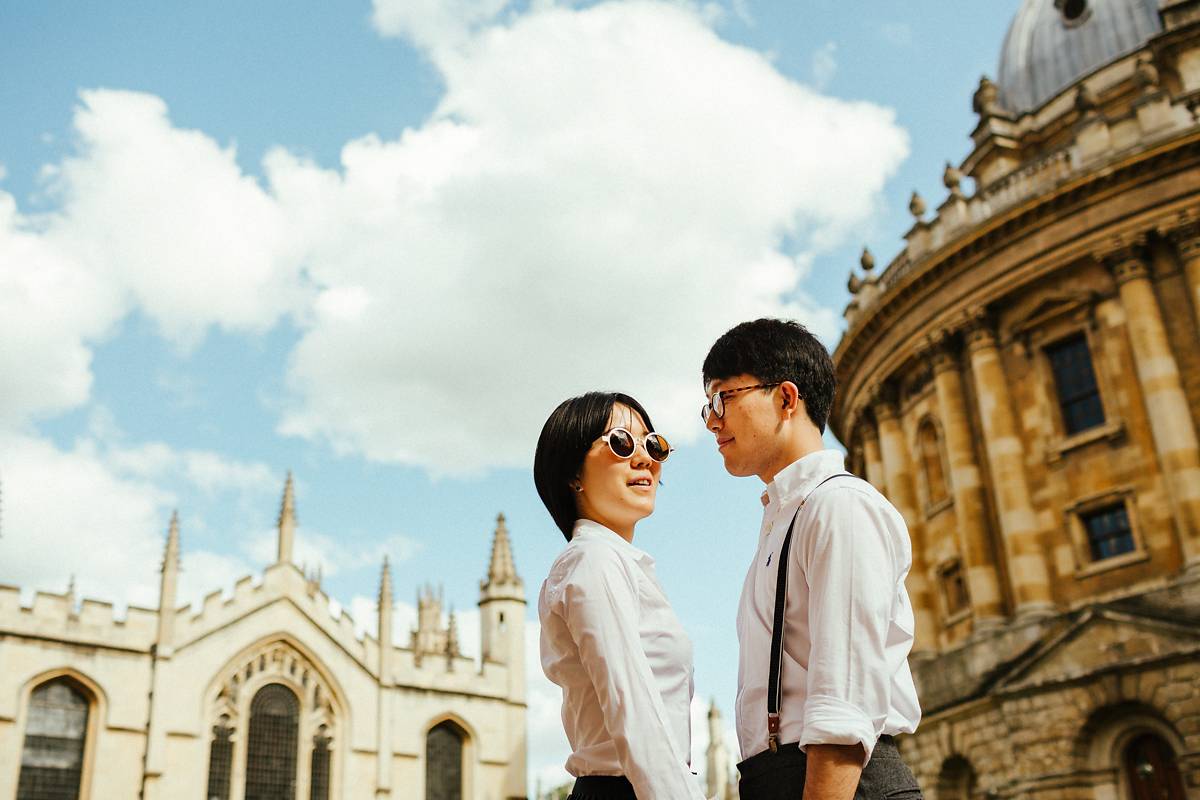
{"x": 972, "y": 250}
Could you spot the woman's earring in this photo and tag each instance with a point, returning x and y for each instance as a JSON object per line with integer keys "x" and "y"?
{"x": 577, "y": 486}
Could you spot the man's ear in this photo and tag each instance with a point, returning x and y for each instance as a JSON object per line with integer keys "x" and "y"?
{"x": 790, "y": 397}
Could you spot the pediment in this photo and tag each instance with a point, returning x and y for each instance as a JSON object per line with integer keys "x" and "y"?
{"x": 1100, "y": 639}
{"x": 1049, "y": 306}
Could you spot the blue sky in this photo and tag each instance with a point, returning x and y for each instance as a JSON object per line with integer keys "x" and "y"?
{"x": 376, "y": 244}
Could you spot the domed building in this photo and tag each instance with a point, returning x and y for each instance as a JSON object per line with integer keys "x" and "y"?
{"x": 1023, "y": 382}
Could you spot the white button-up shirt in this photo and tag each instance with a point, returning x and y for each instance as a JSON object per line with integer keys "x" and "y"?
{"x": 848, "y": 623}
{"x": 612, "y": 642}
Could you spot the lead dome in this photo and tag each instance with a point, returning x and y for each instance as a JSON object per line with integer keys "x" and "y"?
{"x": 1051, "y": 44}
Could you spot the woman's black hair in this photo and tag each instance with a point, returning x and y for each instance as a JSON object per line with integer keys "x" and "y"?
{"x": 566, "y": 437}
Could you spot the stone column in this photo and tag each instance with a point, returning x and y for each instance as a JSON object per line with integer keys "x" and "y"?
{"x": 1162, "y": 389}
{"x": 898, "y": 474}
{"x": 1187, "y": 245}
{"x": 872, "y": 458}
{"x": 1028, "y": 573}
{"x": 970, "y": 509}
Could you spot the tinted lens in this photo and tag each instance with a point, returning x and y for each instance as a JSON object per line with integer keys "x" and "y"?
{"x": 621, "y": 442}
{"x": 657, "y": 447}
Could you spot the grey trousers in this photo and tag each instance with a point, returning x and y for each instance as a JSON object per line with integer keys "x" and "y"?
{"x": 780, "y": 775}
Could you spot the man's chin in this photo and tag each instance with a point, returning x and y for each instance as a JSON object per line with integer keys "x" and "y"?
{"x": 735, "y": 467}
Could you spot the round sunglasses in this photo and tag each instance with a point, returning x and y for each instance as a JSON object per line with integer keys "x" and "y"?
{"x": 623, "y": 444}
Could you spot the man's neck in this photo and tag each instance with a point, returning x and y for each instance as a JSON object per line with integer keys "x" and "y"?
{"x": 790, "y": 453}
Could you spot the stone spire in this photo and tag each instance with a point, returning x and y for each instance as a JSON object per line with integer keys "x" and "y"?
{"x": 717, "y": 762}
{"x": 287, "y": 522}
{"x": 385, "y": 618}
{"x": 452, "y": 650}
{"x": 502, "y": 580}
{"x": 168, "y": 589}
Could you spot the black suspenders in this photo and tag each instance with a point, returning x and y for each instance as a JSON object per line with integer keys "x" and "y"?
{"x": 774, "y": 687}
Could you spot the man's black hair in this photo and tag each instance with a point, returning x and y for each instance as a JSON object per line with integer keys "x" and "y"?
{"x": 773, "y": 351}
{"x": 566, "y": 437}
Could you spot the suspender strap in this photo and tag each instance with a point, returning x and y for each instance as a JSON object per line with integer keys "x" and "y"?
{"x": 774, "y": 687}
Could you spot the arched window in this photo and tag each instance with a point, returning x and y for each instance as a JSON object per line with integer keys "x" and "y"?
{"x": 931, "y": 460}
{"x": 956, "y": 780}
{"x": 320, "y": 766}
{"x": 1151, "y": 769}
{"x": 273, "y": 744}
{"x": 220, "y": 760}
{"x": 55, "y": 736}
{"x": 444, "y": 762}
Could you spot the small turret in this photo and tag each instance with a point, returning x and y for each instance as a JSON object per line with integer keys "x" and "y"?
{"x": 717, "y": 762}
{"x": 502, "y": 612}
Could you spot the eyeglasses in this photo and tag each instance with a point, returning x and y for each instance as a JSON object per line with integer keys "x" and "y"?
{"x": 716, "y": 403}
{"x": 623, "y": 444}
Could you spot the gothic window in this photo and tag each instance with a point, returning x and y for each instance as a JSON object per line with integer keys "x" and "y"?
{"x": 55, "y": 735}
{"x": 220, "y": 759}
{"x": 931, "y": 462}
{"x": 443, "y": 763}
{"x": 954, "y": 588}
{"x": 273, "y": 744}
{"x": 1075, "y": 380}
{"x": 320, "y": 766}
{"x": 1108, "y": 531}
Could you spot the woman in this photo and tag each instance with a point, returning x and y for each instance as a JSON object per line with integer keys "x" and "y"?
{"x": 609, "y": 636}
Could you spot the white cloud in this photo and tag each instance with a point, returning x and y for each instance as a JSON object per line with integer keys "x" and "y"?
{"x": 51, "y": 309}
{"x": 824, "y": 64}
{"x": 166, "y": 215}
{"x": 600, "y": 193}
{"x": 99, "y": 510}
{"x": 434, "y": 23}
{"x": 313, "y": 549}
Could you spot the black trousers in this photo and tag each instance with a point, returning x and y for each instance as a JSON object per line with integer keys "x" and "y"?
{"x": 780, "y": 775}
{"x": 602, "y": 787}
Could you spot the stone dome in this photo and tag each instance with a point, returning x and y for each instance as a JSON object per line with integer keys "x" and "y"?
{"x": 1053, "y": 43}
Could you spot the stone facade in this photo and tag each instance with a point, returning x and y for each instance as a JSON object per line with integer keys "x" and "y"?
{"x": 1025, "y": 372}
{"x": 167, "y": 688}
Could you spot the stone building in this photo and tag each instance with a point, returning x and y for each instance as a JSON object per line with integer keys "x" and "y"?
{"x": 265, "y": 694}
{"x": 1023, "y": 382}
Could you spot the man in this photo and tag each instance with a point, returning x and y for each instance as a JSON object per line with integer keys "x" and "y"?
{"x": 847, "y": 629}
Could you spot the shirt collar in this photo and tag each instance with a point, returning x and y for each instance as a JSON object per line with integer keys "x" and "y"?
{"x": 802, "y": 476}
{"x": 590, "y": 529}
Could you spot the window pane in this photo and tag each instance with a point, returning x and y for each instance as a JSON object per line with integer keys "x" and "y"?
{"x": 1108, "y": 532}
{"x": 273, "y": 744}
{"x": 1075, "y": 380}
{"x": 443, "y": 763}
{"x": 52, "y": 757}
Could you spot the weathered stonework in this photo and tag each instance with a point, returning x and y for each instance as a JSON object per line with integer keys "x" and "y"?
{"x": 1068, "y": 662}
{"x": 159, "y": 682}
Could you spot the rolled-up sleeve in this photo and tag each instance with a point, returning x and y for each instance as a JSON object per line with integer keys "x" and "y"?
{"x": 599, "y": 603}
{"x": 852, "y": 587}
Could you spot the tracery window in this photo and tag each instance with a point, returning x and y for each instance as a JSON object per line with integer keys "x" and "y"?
{"x": 1075, "y": 380}
{"x": 444, "y": 762}
{"x": 931, "y": 461}
{"x": 272, "y": 744}
{"x": 55, "y": 736}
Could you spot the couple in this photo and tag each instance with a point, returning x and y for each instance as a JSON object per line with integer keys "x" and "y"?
{"x": 824, "y": 623}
